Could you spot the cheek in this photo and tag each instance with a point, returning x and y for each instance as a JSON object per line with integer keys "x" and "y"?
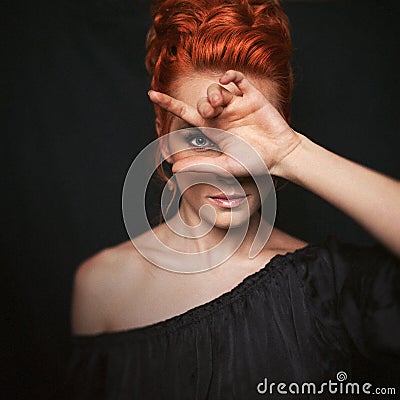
{"x": 249, "y": 186}
{"x": 254, "y": 198}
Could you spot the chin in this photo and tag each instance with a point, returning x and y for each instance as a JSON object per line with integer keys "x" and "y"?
{"x": 229, "y": 221}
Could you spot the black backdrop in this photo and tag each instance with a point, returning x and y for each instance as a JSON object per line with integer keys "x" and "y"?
{"x": 76, "y": 114}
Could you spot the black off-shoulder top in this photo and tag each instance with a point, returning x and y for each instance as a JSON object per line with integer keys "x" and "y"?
{"x": 303, "y": 318}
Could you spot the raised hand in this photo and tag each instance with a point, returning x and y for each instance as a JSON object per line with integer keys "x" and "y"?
{"x": 248, "y": 115}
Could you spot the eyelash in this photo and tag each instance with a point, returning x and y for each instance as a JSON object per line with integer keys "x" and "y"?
{"x": 194, "y": 136}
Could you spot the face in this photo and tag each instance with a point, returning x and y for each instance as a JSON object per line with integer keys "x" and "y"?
{"x": 229, "y": 202}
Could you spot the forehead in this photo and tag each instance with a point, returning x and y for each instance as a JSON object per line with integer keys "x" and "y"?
{"x": 189, "y": 88}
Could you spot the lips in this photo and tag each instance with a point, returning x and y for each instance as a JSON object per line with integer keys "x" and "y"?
{"x": 231, "y": 201}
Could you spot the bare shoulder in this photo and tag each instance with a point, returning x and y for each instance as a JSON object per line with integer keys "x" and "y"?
{"x": 99, "y": 284}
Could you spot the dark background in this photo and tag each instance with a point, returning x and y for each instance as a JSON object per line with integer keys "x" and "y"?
{"x": 76, "y": 114}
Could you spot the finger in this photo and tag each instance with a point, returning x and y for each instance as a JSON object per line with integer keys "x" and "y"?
{"x": 239, "y": 80}
{"x": 206, "y": 110}
{"x": 218, "y": 95}
{"x": 176, "y": 107}
{"x": 222, "y": 165}
{"x": 200, "y": 164}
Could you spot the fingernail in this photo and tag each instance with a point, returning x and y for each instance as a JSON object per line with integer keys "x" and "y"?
{"x": 215, "y": 97}
{"x": 148, "y": 93}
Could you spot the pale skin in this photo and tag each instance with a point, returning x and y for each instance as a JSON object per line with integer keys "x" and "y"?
{"x": 370, "y": 198}
{"x": 118, "y": 289}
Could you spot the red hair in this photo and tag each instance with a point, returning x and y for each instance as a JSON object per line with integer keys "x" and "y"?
{"x": 251, "y": 36}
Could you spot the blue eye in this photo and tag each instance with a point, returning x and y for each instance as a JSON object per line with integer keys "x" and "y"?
{"x": 200, "y": 141}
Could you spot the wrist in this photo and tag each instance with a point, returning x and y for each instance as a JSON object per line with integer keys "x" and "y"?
{"x": 289, "y": 166}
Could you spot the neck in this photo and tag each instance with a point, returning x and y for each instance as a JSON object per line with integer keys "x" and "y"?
{"x": 192, "y": 234}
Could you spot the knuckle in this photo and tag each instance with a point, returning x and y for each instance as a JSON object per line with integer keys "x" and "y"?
{"x": 216, "y": 87}
{"x": 168, "y": 103}
{"x": 181, "y": 110}
{"x": 207, "y": 112}
{"x": 204, "y": 112}
{"x": 213, "y": 89}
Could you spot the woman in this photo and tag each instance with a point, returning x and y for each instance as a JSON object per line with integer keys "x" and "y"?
{"x": 296, "y": 312}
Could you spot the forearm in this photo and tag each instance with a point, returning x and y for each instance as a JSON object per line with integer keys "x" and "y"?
{"x": 370, "y": 198}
